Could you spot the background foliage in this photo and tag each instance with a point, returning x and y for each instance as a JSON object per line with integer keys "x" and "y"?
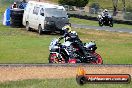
{"x": 78, "y": 3}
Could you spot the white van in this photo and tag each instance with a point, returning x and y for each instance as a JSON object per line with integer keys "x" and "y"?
{"x": 44, "y": 17}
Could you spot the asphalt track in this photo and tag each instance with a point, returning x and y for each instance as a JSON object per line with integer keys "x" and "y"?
{"x": 105, "y": 28}
{"x": 63, "y": 65}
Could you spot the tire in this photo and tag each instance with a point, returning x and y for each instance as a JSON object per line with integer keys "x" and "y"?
{"x": 52, "y": 58}
{"x": 99, "y": 59}
{"x": 16, "y": 17}
{"x": 16, "y": 24}
{"x": 81, "y": 80}
{"x": 16, "y": 21}
{"x": 17, "y": 12}
{"x": 40, "y": 30}
{"x": 27, "y": 26}
{"x": 111, "y": 24}
{"x": 100, "y": 24}
{"x": 46, "y": 32}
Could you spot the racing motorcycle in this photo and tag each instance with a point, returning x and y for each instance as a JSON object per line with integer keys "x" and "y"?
{"x": 69, "y": 52}
{"x": 106, "y": 20}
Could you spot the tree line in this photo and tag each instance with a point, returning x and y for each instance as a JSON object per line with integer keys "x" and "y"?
{"x": 83, "y": 3}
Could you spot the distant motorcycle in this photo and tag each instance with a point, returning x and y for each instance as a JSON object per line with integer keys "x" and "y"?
{"x": 106, "y": 20}
{"x": 69, "y": 52}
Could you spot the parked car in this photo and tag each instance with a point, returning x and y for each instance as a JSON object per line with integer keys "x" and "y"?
{"x": 44, "y": 17}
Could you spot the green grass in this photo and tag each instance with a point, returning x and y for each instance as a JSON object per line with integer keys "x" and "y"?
{"x": 20, "y": 46}
{"x": 95, "y": 23}
{"x": 58, "y": 83}
{"x": 0, "y": 16}
{"x": 115, "y": 48}
{"x": 3, "y": 5}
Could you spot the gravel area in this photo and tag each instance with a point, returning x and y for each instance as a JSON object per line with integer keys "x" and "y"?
{"x": 52, "y": 72}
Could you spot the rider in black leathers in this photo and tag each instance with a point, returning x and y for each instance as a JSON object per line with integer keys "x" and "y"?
{"x": 73, "y": 37}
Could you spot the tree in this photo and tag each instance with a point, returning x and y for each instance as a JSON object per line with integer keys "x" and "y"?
{"x": 24, "y": 1}
{"x": 115, "y": 2}
{"x": 66, "y": 2}
{"x": 78, "y": 3}
{"x": 124, "y": 5}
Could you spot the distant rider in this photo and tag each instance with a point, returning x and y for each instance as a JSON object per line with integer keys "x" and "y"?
{"x": 105, "y": 13}
{"x": 14, "y": 5}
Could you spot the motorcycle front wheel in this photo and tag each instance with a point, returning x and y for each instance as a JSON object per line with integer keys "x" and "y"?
{"x": 53, "y": 58}
{"x": 111, "y": 24}
{"x": 100, "y": 24}
{"x": 99, "y": 59}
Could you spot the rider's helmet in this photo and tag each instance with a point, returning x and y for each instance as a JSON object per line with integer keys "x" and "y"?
{"x": 67, "y": 29}
{"x": 105, "y": 13}
{"x": 105, "y": 10}
{"x": 14, "y": 3}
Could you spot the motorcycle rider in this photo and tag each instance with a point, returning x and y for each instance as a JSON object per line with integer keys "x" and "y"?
{"x": 105, "y": 18}
{"x": 68, "y": 33}
{"x": 105, "y": 13}
{"x": 68, "y": 36}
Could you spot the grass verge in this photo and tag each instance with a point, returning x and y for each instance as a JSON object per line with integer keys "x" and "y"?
{"x": 58, "y": 83}
{"x": 19, "y": 46}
